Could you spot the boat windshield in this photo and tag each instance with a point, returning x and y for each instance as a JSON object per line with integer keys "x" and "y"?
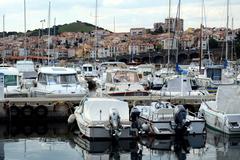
{"x": 10, "y": 80}
{"x": 121, "y": 76}
{"x": 58, "y": 79}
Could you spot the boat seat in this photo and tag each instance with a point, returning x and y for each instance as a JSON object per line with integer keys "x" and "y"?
{"x": 165, "y": 113}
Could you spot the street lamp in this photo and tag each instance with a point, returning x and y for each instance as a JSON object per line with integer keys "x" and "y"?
{"x": 42, "y": 21}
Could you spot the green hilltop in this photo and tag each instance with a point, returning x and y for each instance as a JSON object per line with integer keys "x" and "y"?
{"x": 77, "y": 26}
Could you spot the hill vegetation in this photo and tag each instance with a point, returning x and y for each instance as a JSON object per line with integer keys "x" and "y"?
{"x": 77, "y": 26}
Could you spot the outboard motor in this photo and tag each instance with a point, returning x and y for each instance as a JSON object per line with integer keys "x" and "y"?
{"x": 115, "y": 124}
{"x": 134, "y": 115}
{"x": 180, "y": 119}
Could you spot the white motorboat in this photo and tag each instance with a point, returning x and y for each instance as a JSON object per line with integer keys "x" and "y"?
{"x": 159, "y": 77}
{"x": 146, "y": 71}
{"x": 180, "y": 86}
{"x": 121, "y": 82}
{"x": 28, "y": 73}
{"x": 89, "y": 73}
{"x": 223, "y": 114}
{"x": 103, "y": 118}
{"x": 57, "y": 81}
{"x": 12, "y": 78}
{"x": 163, "y": 118}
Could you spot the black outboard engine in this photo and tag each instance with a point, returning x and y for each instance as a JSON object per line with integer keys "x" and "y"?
{"x": 115, "y": 123}
{"x": 134, "y": 116}
{"x": 180, "y": 119}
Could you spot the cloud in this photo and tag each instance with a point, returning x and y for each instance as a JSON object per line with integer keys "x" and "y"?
{"x": 128, "y": 13}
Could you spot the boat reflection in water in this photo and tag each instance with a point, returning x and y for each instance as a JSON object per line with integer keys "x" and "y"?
{"x": 121, "y": 149}
{"x": 226, "y": 147}
{"x": 173, "y": 147}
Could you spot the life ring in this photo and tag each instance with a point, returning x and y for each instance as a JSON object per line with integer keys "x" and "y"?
{"x": 41, "y": 111}
{"x": 13, "y": 111}
{"x": 27, "y": 111}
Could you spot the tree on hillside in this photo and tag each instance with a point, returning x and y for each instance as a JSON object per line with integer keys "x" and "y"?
{"x": 213, "y": 43}
{"x": 237, "y": 45}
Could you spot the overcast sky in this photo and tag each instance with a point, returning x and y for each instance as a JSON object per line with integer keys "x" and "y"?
{"x": 127, "y": 13}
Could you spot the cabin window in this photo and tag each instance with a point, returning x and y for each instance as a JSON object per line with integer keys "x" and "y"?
{"x": 214, "y": 73}
{"x": 85, "y": 68}
{"x": 68, "y": 79}
{"x": 10, "y": 80}
{"x": 42, "y": 78}
{"x": 125, "y": 77}
{"x": 89, "y": 69}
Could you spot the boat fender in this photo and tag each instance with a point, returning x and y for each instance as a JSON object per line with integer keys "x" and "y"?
{"x": 41, "y": 111}
{"x": 145, "y": 127}
{"x": 71, "y": 118}
{"x": 155, "y": 130}
{"x": 27, "y": 111}
{"x": 13, "y": 111}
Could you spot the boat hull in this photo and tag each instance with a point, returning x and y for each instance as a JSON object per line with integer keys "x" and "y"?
{"x": 103, "y": 132}
{"x": 219, "y": 121}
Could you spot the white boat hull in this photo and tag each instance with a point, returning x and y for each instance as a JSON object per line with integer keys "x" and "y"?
{"x": 101, "y": 131}
{"x": 166, "y": 127}
{"x": 219, "y": 121}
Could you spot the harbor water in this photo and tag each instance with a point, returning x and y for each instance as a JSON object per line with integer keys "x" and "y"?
{"x": 55, "y": 141}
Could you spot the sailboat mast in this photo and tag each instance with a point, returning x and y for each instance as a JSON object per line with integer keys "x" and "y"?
{"x": 226, "y": 38}
{"x": 49, "y": 14}
{"x": 3, "y": 26}
{"x": 25, "y": 29}
{"x": 96, "y": 30}
{"x": 232, "y": 39}
{"x": 201, "y": 38}
{"x": 169, "y": 32}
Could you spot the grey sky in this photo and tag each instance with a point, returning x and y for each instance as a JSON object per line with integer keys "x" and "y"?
{"x": 127, "y": 13}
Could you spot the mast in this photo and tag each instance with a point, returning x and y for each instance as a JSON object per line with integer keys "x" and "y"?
{"x": 4, "y": 53}
{"x": 201, "y": 38}
{"x": 114, "y": 46}
{"x": 226, "y": 38}
{"x": 25, "y": 30}
{"x": 232, "y": 40}
{"x": 169, "y": 32}
{"x": 49, "y": 14}
{"x": 3, "y": 26}
{"x": 96, "y": 30}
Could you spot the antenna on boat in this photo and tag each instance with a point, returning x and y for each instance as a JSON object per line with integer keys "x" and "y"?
{"x": 49, "y": 14}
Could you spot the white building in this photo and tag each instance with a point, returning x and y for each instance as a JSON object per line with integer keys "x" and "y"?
{"x": 137, "y": 31}
{"x": 133, "y": 49}
{"x": 169, "y": 43}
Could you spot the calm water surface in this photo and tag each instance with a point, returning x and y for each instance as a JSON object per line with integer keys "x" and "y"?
{"x": 53, "y": 142}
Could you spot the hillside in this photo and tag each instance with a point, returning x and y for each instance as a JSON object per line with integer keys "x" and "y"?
{"x": 77, "y": 26}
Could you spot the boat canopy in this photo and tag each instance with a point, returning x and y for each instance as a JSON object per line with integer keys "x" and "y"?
{"x": 179, "y": 84}
{"x": 98, "y": 109}
{"x": 228, "y": 99}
